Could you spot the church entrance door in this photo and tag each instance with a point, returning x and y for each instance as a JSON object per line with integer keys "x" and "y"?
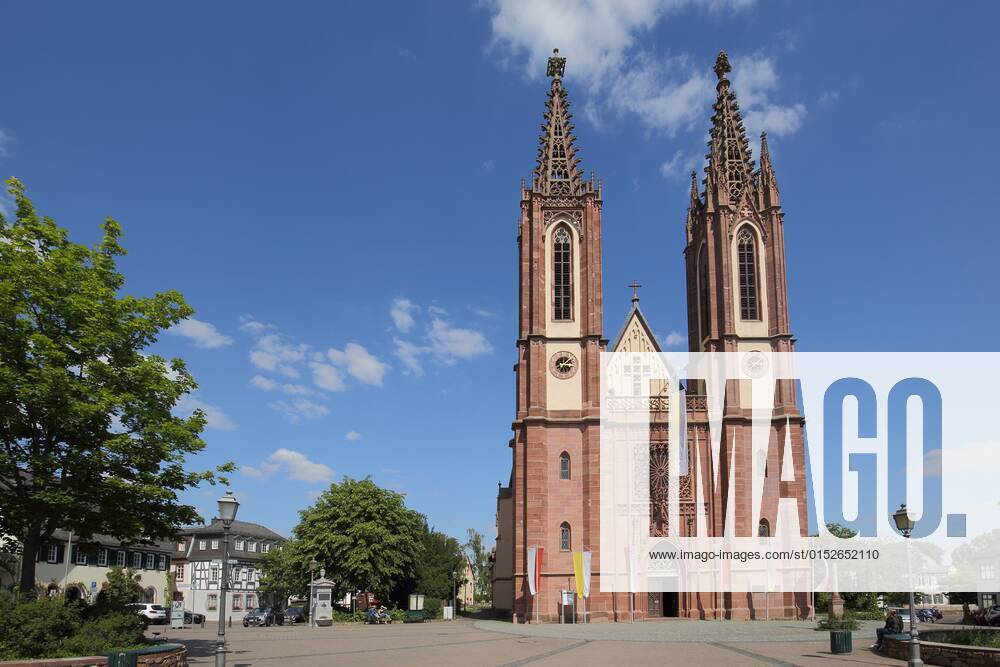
{"x": 655, "y": 609}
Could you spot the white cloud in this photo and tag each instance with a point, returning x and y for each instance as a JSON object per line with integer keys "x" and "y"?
{"x": 267, "y": 384}
{"x": 327, "y": 377}
{"x": 409, "y": 354}
{"x": 829, "y": 98}
{"x": 401, "y": 313}
{"x": 674, "y": 339}
{"x": 353, "y": 436}
{"x": 5, "y": 141}
{"x": 250, "y": 324}
{"x": 450, "y": 343}
{"x": 776, "y": 120}
{"x": 214, "y": 415}
{"x": 360, "y": 363}
{"x": 298, "y": 409}
{"x": 273, "y": 352}
{"x": 669, "y": 93}
{"x": 680, "y": 166}
{"x": 203, "y": 334}
{"x": 295, "y": 464}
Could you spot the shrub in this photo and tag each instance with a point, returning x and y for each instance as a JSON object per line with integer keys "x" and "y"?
{"x": 432, "y": 608}
{"x": 986, "y": 638}
{"x": 113, "y": 632}
{"x": 51, "y": 628}
{"x": 397, "y": 614}
{"x": 35, "y": 628}
{"x": 848, "y": 622}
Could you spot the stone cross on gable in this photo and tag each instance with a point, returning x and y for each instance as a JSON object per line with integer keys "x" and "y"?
{"x": 635, "y": 290}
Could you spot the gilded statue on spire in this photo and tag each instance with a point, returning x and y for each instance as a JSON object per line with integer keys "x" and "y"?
{"x": 557, "y": 65}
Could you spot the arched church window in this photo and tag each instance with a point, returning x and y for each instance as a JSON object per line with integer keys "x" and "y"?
{"x": 564, "y": 466}
{"x": 746, "y": 255}
{"x": 703, "y": 291}
{"x": 562, "y": 267}
{"x": 565, "y": 543}
{"x": 763, "y": 528}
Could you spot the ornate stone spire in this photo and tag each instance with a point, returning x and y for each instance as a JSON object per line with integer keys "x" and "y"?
{"x": 767, "y": 181}
{"x": 557, "y": 170}
{"x": 729, "y": 151}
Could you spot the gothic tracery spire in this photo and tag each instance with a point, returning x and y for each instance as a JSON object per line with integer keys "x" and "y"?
{"x": 557, "y": 169}
{"x": 729, "y": 150}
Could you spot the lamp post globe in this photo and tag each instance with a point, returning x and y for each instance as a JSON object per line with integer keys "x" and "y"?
{"x": 228, "y": 505}
{"x": 904, "y": 524}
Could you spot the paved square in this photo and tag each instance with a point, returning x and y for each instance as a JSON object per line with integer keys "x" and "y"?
{"x": 465, "y": 642}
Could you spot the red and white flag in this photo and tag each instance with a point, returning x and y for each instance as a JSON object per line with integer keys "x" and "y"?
{"x": 534, "y": 569}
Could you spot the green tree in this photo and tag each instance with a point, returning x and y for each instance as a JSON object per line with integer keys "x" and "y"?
{"x": 441, "y": 558}
{"x": 123, "y": 587}
{"x": 88, "y": 438}
{"x": 363, "y": 535}
{"x": 285, "y": 572}
{"x": 479, "y": 558}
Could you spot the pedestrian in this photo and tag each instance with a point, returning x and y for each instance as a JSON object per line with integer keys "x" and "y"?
{"x": 893, "y": 626}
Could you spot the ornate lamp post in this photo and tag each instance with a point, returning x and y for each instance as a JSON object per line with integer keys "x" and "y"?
{"x": 454, "y": 595}
{"x": 904, "y": 524}
{"x": 227, "y": 513}
{"x": 312, "y": 594}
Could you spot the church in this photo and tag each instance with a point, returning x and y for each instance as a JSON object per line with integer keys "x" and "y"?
{"x": 736, "y": 302}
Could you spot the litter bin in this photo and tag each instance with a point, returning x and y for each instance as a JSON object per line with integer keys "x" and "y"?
{"x": 841, "y": 641}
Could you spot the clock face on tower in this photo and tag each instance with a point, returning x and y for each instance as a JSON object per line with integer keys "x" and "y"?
{"x": 563, "y": 365}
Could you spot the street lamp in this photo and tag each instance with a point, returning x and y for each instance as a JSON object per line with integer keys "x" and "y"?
{"x": 904, "y": 524}
{"x": 227, "y": 513}
{"x": 454, "y": 595}
{"x": 312, "y": 595}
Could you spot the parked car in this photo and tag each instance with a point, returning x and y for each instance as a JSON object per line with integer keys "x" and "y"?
{"x": 266, "y": 616}
{"x": 927, "y": 615}
{"x": 193, "y": 618}
{"x": 294, "y": 615}
{"x": 154, "y": 613}
{"x": 992, "y": 615}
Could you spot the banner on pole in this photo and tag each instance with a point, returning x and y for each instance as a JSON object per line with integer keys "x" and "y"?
{"x": 578, "y": 572}
{"x": 534, "y": 569}
{"x": 586, "y": 574}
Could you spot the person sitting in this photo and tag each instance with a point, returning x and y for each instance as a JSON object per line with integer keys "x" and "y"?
{"x": 893, "y": 626}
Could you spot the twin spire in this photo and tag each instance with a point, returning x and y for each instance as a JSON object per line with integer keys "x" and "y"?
{"x": 730, "y": 170}
{"x": 557, "y": 169}
{"x": 730, "y": 173}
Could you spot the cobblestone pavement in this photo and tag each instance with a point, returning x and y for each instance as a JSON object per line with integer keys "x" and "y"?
{"x": 442, "y": 644}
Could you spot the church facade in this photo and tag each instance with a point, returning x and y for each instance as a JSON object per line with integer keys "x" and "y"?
{"x": 736, "y": 301}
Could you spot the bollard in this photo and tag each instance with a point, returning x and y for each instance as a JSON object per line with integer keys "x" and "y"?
{"x": 230, "y": 621}
{"x": 202, "y": 622}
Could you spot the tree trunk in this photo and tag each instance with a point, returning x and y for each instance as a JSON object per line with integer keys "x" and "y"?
{"x": 29, "y": 556}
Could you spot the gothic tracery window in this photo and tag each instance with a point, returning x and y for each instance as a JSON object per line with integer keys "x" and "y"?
{"x": 564, "y": 471}
{"x": 746, "y": 255}
{"x": 565, "y": 541}
{"x": 562, "y": 267}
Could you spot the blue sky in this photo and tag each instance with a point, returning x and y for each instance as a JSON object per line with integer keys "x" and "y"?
{"x": 297, "y": 170}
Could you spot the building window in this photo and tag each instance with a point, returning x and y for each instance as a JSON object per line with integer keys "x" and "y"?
{"x": 562, "y": 269}
{"x": 265, "y": 547}
{"x": 178, "y": 572}
{"x": 81, "y": 558}
{"x": 163, "y": 563}
{"x": 136, "y": 561}
{"x": 239, "y": 545}
{"x": 149, "y": 595}
{"x": 985, "y": 572}
{"x": 251, "y": 600}
{"x": 763, "y": 528}
{"x": 215, "y": 544}
{"x": 120, "y": 559}
{"x": 102, "y": 557}
{"x": 53, "y": 554}
{"x": 564, "y": 466}
{"x": 746, "y": 253}
{"x": 180, "y": 546}
{"x": 237, "y": 601}
{"x": 150, "y": 561}
{"x": 202, "y": 545}
{"x": 213, "y": 602}
{"x": 565, "y": 541}
{"x": 213, "y": 575}
{"x": 252, "y": 547}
